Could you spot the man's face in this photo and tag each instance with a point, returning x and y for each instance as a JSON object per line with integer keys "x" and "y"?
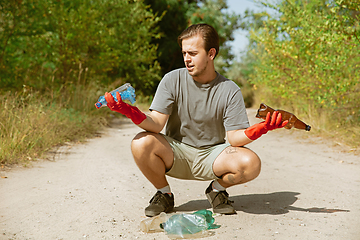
{"x": 195, "y": 56}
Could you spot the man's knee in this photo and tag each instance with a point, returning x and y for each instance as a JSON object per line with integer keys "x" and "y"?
{"x": 150, "y": 143}
{"x": 251, "y": 164}
{"x": 141, "y": 143}
{"x": 247, "y": 165}
{"x": 140, "y": 140}
{"x": 150, "y": 148}
{"x": 251, "y": 159}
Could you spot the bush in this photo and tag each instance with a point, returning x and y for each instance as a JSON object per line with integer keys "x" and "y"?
{"x": 308, "y": 58}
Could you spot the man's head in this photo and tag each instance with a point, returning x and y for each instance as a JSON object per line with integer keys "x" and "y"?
{"x": 207, "y": 33}
{"x": 200, "y": 45}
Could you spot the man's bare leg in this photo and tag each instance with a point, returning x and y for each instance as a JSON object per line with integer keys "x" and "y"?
{"x": 154, "y": 156}
{"x": 235, "y": 165}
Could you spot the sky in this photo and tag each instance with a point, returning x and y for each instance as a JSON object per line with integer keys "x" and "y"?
{"x": 239, "y": 7}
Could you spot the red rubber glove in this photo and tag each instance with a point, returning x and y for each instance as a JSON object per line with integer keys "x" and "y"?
{"x": 270, "y": 123}
{"x": 121, "y": 107}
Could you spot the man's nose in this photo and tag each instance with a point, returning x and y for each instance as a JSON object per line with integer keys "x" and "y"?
{"x": 187, "y": 58}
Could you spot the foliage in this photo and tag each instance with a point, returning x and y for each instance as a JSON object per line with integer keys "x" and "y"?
{"x": 308, "y": 57}
{"x": 57, "y": 42}
{"x": 241, "y": 72}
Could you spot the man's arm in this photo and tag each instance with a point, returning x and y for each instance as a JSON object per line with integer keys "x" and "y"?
{"x": 154, "y": 122}
{"x": 242, "y": 137}
{"x": 237, "y": 138}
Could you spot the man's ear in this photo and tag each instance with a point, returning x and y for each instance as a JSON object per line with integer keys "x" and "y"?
{"x": 212, "y": 53}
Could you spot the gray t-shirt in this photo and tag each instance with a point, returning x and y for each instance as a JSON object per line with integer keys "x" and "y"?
{"x": 200, "y": 114}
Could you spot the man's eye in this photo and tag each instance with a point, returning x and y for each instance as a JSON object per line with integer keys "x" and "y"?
{"x": 190, "y": 53}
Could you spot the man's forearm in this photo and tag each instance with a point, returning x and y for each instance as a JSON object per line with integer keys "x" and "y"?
{"x": 154, "y": 122}
{"x": 237, "y": 138}
{"x": 150, "y": 125}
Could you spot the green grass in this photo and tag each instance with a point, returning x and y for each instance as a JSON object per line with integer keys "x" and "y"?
{"x": 33, "y": 123}
{"x": 342, "y": 130}
{"x": 336, "y": 127}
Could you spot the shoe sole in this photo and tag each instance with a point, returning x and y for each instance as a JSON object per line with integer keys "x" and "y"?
{"x": 150, "y": 213}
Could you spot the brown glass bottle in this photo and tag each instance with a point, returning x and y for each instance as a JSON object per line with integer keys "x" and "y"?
{"x": 293, "y": 120}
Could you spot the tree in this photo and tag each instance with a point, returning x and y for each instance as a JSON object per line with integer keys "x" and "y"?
{"x": 58, "y": 41}
{"x": 173, "y": 22}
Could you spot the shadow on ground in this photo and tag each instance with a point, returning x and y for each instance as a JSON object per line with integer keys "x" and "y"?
{"x": 269, "y": 203}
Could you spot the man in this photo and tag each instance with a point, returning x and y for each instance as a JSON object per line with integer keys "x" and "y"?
{"x": 199, "y": 107}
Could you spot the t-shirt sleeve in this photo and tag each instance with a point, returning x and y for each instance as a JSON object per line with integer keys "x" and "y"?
{"x": 235, "y": 114}
{"x": 164, "y": 98}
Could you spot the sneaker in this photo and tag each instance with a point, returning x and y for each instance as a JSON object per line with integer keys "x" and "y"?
{"x": 160, "y": 202}
{"x": 219, "y": 201}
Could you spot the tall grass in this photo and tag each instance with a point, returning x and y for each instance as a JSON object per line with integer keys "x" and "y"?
{"x": 31, "y": 123}
{"x": 333, "y": 126}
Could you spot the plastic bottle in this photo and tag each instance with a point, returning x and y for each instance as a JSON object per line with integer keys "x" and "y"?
{"x": 127, "y": 92}
{"x": 151, "y": 225}
{"x": 293, "y": 120}
{"x": 194, "y": 225}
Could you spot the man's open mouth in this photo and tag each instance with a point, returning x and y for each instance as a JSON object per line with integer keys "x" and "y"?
{"x": 190, "y": 67}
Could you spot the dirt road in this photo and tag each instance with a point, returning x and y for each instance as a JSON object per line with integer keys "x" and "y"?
{"x": 306, "y": 190}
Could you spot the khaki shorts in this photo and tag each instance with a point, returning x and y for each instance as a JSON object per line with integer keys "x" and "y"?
{"x": 193, "y": 163}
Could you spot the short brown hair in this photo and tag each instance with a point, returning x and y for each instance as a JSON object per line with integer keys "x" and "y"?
{"x": 207, "y": 32}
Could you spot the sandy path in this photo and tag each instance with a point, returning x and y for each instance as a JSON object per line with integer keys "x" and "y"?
{"x": 306, "y": 190}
